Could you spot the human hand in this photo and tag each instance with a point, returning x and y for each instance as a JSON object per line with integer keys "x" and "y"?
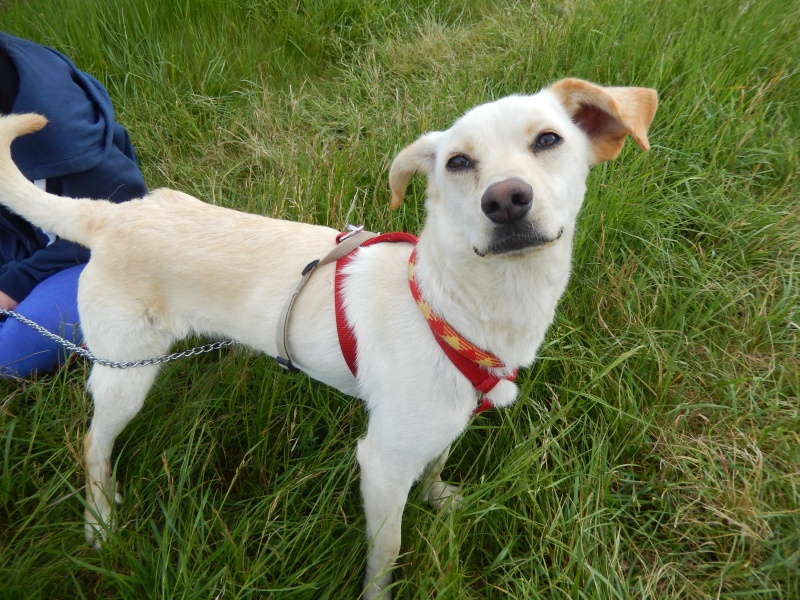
{"x": 7, "y": 302}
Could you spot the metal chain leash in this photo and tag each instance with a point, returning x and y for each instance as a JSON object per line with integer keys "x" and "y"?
{"x": 80, "y": 351}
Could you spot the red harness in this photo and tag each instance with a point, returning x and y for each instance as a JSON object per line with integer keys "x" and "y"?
{"x": 347, "y": 337}
{"x": 470, "y": 360}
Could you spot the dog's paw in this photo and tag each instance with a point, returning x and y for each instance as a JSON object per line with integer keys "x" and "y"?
{"x": 95, "y": 533}
{"x": 97, "y": 530}
{"x": 373, "y": 592}
{"x": 443, "y": 496}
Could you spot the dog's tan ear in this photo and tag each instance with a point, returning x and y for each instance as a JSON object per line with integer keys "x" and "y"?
{"x": 608, "y": 114}
{"x": 419, "y": 157}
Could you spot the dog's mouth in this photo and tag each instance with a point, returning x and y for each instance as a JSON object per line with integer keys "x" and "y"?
{"x": 517, "y": 239}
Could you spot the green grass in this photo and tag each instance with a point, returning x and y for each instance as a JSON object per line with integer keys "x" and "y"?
{"x": 655, "y": 452}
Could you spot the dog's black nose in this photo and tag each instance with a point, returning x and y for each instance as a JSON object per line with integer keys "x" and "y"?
{"x": 507, "y": 201}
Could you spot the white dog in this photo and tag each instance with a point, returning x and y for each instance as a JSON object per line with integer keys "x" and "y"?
{"x": 505, "y": 184}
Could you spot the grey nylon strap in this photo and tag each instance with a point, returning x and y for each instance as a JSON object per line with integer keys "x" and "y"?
{"x": 346, "y": 245}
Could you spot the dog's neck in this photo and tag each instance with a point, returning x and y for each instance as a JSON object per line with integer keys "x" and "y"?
{"x": 509, "y": 301}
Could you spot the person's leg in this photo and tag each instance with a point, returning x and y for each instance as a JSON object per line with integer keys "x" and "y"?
{"x": 53, "y": 304}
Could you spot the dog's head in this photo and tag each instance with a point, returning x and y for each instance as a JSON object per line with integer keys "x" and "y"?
{"x": 509, "y": 176}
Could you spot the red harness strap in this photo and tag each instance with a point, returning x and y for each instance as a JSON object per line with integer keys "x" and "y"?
{"x": 347, "y": 338}
{"x": 470, "y": 360}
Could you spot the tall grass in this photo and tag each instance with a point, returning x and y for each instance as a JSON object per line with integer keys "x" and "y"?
{"x": 654, "y": 452}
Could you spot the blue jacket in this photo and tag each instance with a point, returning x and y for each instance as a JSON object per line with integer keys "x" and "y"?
{"x": 81, "y": 153}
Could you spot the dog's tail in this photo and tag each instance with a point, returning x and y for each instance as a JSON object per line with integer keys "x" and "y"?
{"x": 68, "y": 218}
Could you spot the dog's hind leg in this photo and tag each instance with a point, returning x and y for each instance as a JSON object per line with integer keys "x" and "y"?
{"x": 437, "y": 493}
{"x": 118, "y": 396}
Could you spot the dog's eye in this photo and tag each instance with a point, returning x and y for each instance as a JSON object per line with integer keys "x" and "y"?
{"x": 459, "y": 162}
{"x": 546, "y": 140}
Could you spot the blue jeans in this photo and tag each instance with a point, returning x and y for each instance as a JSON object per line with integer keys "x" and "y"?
{"x": 53, "y": 304}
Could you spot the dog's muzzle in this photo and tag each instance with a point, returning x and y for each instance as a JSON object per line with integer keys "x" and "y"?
{"x": 507, "y": 203}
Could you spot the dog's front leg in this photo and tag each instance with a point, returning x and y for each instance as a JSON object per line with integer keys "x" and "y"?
{"x": 385, "y": 490}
